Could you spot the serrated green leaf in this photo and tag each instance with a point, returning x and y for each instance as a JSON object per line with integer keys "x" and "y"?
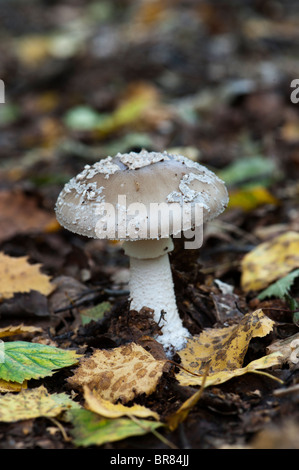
{"x": 90, "y": 429}
{"x": 24, "y": 360}
{"x": 281, "y": 287}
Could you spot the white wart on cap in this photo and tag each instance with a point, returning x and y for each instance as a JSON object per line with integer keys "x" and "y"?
{"x": 128, "y": 183}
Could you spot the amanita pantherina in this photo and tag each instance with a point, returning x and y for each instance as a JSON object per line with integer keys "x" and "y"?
{"x": 114, "y": 199}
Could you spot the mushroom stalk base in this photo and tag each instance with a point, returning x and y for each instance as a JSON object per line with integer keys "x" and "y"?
{"x": 151, "y": 286}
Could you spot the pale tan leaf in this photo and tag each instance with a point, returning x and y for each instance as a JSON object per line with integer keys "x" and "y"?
{"x": 119, "y": 373}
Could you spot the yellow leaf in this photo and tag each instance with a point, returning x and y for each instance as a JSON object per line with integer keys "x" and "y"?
{"x": 94, "y": 402}
{"x": 28, "y": 404}
{"x": 181, "y": 414}
{"x": 18, "y": 330}
{"x": 140, "y": 106}
{"x": 120, "y": 373}
{"x": 223, "y": 350}
{"x": 264, "y": 362}
{"x": 17, "y": 275}
{"x": 249, "y": 198}
{"x": 32, "y": 50}
{"x": 270, "y": 261}
{"x": 6, "y": 386}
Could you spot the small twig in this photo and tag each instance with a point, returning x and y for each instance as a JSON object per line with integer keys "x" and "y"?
{"x": 155, "y": 432}
{"x": 286, "y": 391}
{"x": 187, "y": 370}
{"x": 259, "y": 372}
{"x": 61, "y": 429}
{"x": 288, "y": 310}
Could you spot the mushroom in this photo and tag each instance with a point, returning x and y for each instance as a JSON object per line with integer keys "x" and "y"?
{"x": 131, "y": 197}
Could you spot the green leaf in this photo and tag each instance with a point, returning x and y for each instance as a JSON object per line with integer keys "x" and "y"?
{"x": 281, "y": 287}
{"x": 95, "y": 313}
{"x": 83, "y": 118}
{"x": 90, "y": 429}
{"x": 249, "y": 168}
{"x": 9, "y": 113}
{"x": 24, "y": 360}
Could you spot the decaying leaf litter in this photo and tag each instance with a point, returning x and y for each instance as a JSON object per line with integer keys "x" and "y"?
{"x": 114, "y": 77}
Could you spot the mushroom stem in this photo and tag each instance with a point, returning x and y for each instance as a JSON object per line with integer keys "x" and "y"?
{"x": 151, "y": 285}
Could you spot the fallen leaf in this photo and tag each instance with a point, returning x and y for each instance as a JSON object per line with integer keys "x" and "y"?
{"x": 223, "y": 350}
{"x": 28, "y": 404}
{"x": 270, "y": 261}
{"x": 181, "y": 414}
{"x": 11, "y": 386}
{"x": 95, "y": 313}
{"x": 83, "y": 118}
{"x": 32, "y": 50}
{"x": 94, "y": 402}
{"x": 280, "y": 288}
{"x": 18, "y": 330}
{"x": 119, "y": 373}
{"x": 90, "y": 429}
{"x": 23, "y": 360}
{"x": 250, "y": 198}
{"x": 264, "y": 362}
{"x": 252, "y": 167}
{"x": 17, "y": 275}
{"x": 139, "y": 106}
{"x": 288, "y": 348}
{"x": 20, "y": 214}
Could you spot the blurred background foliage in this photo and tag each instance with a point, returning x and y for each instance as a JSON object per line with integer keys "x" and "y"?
{"x": 210, "y": 79}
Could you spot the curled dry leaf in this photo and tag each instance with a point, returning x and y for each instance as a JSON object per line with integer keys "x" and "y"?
{"x": 20, "y": 214}
{"x": 17, "y": 275}
{"x": 21, "y": 329}
{"x": 270, "y": 261}
{"x": 94, "y": 402}
{"x": 119, "y": 373}
{"x": 223, "y": 351}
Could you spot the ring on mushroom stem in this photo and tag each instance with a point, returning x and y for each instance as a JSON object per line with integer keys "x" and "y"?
{"x": 170, "y": 194}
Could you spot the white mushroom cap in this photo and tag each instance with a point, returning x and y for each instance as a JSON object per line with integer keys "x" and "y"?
{"x": 145, "y": 177}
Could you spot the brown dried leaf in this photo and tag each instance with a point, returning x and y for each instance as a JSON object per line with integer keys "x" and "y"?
{"x": 20, "y": 214}
{"x": 120, "y": 373}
